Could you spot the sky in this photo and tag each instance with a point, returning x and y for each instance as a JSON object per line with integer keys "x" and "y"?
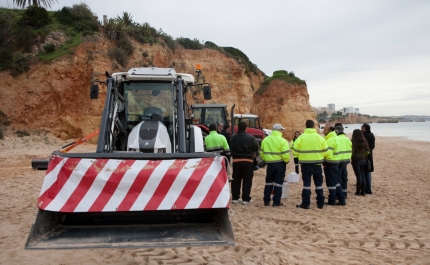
{"x": 370, "y": 54}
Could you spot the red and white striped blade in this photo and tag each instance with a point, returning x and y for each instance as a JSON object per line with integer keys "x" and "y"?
{"x": 108, "y": 185}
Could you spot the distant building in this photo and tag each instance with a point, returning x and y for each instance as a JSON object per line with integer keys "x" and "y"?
{"x": 331, "y": 107}
{"x": 348, "y": 110}
{"x": 356, "y": 111}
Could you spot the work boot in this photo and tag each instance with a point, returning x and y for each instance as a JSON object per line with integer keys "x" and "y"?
{"x": 357, "y": 188}
{"x": 363, "y": 188}
{"x": 302, "y": 206}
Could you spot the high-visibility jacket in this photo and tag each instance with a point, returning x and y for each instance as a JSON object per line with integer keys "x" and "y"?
{"x": 310, "y": 147}
{"x": 274, "y": 148}
{"x": 291, "y": 147}
{"x": 332, "y": 155}
{"x": 217, "y": 143}
{"x": 345, "y": 148}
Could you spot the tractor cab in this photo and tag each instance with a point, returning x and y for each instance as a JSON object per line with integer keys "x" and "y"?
{"x": 251, "y": 120}
{"x": 205, "y": 114}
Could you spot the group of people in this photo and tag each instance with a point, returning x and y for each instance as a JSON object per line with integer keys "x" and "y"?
{"x": 243, "y": 148}
{"x": 315, "y": 154}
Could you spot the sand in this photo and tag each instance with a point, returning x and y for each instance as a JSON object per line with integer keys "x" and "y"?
{"x": 389, "y": 227}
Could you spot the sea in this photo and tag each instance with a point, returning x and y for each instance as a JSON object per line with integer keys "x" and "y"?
{"x": 419, "y": 131}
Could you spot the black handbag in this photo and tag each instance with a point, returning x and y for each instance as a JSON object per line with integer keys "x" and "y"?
{"x": 368, "y": 165}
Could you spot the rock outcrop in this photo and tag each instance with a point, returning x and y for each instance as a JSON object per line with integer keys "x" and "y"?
{"x": 285, "y": 103}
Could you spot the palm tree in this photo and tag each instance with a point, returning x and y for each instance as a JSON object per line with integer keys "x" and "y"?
{"x": 126, "y": 18}
{"x": 23, "y": 3}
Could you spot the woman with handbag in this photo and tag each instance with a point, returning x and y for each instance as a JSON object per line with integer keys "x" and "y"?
{"x": 360, "y": 149}
{"x": 296, "y": 159}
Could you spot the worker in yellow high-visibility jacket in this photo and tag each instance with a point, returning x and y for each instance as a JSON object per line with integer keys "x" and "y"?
{"x": 331, "y": 166}
{"x": 311, "y": 149}
{"x": 345, "y": 153}
{"x": 215, "y": 142}
{"x": 275, "y": 151}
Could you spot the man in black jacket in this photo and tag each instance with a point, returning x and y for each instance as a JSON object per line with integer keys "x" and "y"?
{"x": 226, "y": 133}
{"x": 243, "y": 148}
{"x": 365, "y": 128}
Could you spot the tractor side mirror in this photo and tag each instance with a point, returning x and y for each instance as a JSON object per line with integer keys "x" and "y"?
{"x": 207, "y": 92}
{"x": 94, "y": 91}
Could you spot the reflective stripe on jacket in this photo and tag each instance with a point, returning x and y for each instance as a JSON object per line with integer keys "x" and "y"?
{"x": 332, "y": 155}
{"x": 345, "y": 148}
{"x": 216, "y": 143}
{"x": 310, "y": 147}
{"x": 275, "y": 148}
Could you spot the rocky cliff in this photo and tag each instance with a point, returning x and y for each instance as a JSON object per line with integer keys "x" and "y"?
{"x": 285, "y": 103}
{"x": 55, "y": 95}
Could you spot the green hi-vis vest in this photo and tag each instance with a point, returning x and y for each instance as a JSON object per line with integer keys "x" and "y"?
{"x": 345, "y": 148}
{"x": 216, "y": 143}
{"x": 332, "y": 155}
{"x": 310, "y": 147}
{"x": 275, "y": 148}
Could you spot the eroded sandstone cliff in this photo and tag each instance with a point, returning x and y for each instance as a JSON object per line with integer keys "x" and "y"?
{"x": 285, "y": 103}
{"x": 55, "y": 95}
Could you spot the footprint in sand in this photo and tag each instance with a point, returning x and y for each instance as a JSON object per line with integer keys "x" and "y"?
{"x": 414, "y": 245}
{"x": 369, "y": 244}
{"x": 399, "y": 245}
{"x": 354, "y": 244}
{"x": 384, "y": 245}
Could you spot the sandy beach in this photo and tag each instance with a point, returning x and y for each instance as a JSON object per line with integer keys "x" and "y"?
{"x": 392, "y": 226}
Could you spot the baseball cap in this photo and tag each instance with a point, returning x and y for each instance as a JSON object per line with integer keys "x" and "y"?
{"x": 277, "y": 126}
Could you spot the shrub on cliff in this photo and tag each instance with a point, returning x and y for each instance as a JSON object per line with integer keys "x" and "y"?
{"x": 35, "y": 17}
{"x": 79, "y": 16}
{"x": 25, "y": 38}
{"x": 20, "y": 64}
{"x": 119, "y": 55}
{"x": 6, "y": 30}
{"x": 190, "y": 44}
{"x": 6, "y": 56}
{"x": 241, "y": 58}
{"x": 170, "y": 42}
{"x": 125, "y": 44}
{"x": 282, "y": 75}
{"x": 213, "y": 46}
{"x": 50, "y": 47}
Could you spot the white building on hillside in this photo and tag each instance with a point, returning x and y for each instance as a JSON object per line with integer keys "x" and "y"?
{"x": 350, "y": 110}
{"x": 331, "y": 106}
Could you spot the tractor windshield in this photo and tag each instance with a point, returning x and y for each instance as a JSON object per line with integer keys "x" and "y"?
{"x": 148, "y": 100}
{"x": 208, "y": 116}
{"x": 250, "y": 122}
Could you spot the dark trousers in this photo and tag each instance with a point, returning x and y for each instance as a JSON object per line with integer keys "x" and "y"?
{"x": 343, "y": 177}
{"x": 358, "y": 166}
{"x": 242, "y": 171}
{"x": 275, "y": 175}
{"x": 296, "y": 164}
{"x": 368, "y": 178}
{"x": 332, "y": 182}
{"x": 315, "y": 171}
